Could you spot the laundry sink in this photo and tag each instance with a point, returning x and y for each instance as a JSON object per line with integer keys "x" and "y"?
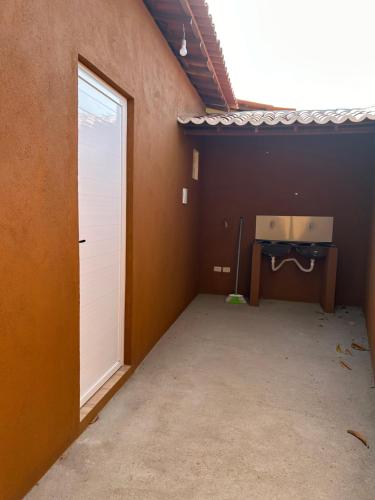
{"x": 312, "y": 250}
{"x": 275, "y": 248}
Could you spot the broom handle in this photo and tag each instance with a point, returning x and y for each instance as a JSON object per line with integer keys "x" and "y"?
{"x": 238, "y": 255}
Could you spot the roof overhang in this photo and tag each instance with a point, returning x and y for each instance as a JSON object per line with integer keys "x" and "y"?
{"x": 204, "y": 64}
{"x": 281, "y": 122}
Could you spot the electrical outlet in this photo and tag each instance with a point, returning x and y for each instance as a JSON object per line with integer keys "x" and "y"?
{"x": 217, "y": 269}
{"x": 226, "y": 269}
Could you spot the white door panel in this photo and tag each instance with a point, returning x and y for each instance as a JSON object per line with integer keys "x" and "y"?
{"x": 101, "y": 188}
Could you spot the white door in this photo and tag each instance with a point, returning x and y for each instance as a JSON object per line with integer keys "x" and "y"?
{"x": 102, "y": 216}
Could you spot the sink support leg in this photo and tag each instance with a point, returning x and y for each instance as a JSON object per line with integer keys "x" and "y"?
{"x": 327, "y": 297}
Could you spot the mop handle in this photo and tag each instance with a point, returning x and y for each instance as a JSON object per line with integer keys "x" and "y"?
{"x": 238, "y": 254}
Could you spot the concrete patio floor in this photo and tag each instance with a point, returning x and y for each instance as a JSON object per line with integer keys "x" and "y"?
{"x": 234, "y": 403}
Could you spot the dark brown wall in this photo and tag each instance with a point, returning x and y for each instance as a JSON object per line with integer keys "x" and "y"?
{"x": 249, "y": 177}
{"x": 370, "y": 288}
{"x": 39, "y": 293}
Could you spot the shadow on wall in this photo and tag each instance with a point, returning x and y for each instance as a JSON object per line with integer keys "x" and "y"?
{"x": 301, "y": 175}
{"x": 370, "y": 289}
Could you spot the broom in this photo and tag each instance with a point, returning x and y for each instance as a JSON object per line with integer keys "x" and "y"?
{"x": 236, "y": 298}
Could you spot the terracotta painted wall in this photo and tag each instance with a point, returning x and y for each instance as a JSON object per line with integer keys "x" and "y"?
{"x": 39, "y": 293}
{"x": 247, "y": 176}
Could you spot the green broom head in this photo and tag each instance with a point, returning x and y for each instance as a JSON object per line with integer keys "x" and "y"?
{"x": 235, "y": 298}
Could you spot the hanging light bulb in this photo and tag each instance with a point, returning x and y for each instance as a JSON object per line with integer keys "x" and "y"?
{"x": 183, "y": 50}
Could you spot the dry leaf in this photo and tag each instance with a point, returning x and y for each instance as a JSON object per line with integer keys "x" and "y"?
{"x": 359, "y": 347}
{"x": 338, "y": 348}
{"x": 345, "y": 365}
{"x": 348, "y": 351}
{"x": 359, "y": 436}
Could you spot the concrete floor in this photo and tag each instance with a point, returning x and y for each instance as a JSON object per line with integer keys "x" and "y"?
{"x": 234, "y": 403}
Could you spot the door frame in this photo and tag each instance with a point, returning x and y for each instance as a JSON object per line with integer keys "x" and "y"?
{"x": 99, "y": 84}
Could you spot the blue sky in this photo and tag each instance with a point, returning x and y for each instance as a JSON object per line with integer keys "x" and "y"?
{"x": 299, "y": 53}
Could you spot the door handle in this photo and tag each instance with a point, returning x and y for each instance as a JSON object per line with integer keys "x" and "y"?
{"x": 82, "y": 241}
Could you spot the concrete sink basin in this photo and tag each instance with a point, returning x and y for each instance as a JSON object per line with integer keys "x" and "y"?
{"x": 276, "y": 248}
{"x": 315, "y": 251}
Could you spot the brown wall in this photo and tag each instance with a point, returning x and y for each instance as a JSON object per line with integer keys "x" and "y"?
{"x": 39, "y": 295}
{"x": 370, "y": 289}
{"x": 259, "y": 176}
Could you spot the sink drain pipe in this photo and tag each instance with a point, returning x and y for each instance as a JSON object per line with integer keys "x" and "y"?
{"x": 298, "y": 264}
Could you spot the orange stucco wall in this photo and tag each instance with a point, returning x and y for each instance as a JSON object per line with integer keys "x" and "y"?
{"x": 41, "y": 42}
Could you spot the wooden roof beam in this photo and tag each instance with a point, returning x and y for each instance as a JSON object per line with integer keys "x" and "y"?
{"x": 187, "y": 9}
{"x": 238, "y": 131}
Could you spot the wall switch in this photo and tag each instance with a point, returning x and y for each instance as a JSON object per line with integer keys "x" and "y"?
{"x": 217, "y": 269}
{"x": 226, "y": 269}
{"x": 184, "y": 196}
